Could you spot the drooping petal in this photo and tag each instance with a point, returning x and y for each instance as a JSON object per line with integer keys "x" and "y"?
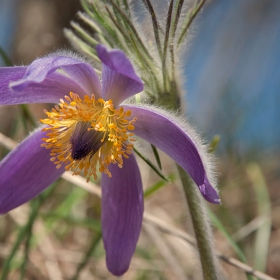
{"x": 54, "y": 87}
{"x": 51, "y": 78}
{"x": 156, "y": 127}
{"x": 79, "y": 71}
{"x": 122, "y": 213}
{"x": 119, "y": 80}
{"x": 26, "y": 172}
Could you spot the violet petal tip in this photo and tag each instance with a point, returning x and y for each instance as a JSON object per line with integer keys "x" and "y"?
{"x": 209, "y": 193}
{"x": 119, "y": 62}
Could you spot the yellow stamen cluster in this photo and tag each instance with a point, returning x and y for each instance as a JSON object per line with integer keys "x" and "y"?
{"x": 97, "y": 115}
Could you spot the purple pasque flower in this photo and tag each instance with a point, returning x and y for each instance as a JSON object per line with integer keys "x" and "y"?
{"x": 90, "y": 130}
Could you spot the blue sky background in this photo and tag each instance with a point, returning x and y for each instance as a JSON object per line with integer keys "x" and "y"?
{"x": 7, "y": 24}
{"x": 233, "y": 74}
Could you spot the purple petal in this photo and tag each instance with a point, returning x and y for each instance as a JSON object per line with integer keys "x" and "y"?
{"x": 54, "y": 87}
{"x": 25, "y": 172}
{"x": 80, "y": 72}
{"x": 156, "y": 127}
{"x": 41, "y": 82}
{"x": 119, "y": 80}
{"x": 122, "y": 214}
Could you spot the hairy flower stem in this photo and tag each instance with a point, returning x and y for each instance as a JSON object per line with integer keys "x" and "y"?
{"x": 201, "y": 227}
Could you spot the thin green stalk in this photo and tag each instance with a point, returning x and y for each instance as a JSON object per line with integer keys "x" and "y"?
{"x": 95, "y": 12}
{"x": 98, "y": 32}
{"x": 117, "y": 24}
{"x": 101, "y": 18}
{"x": 27, "y": 114}
{"x": 150, "y": 8}
{"x": 104, "y": 19}
{"x": 126, "y": 6}
{"x": 89, "y": 22}
{"x": 79, "y": 44}
{"x": 190, "y": 17}
{"x": 86, "y": 223}
{"x": 87, "y": 256}
{"x": 5, "y": 58}
{"x": 127, "y": 20}
{"x": 165, "y": 45}
{"x": 217, "y": 223}
{"x": 127, "y": 39}
{"x": 158, "y": 185}
{"x": 84, "y": 34}
{"x": 156, "y": 156}
{"x": 201, "y": 227}
{"x": 116, "y": 13}
{"x": 150, "y": 164}
{"x": 145, "y": 65}
{"x": 118, "y": 21}
{"x": 177, "y": 14}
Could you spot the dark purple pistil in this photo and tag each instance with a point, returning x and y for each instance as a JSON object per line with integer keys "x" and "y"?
{"x": 85, "y": 142}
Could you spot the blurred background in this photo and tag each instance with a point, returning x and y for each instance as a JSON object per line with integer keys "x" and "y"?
{"x": 231, "y": 73}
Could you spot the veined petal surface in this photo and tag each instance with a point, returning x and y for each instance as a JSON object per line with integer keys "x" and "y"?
{"x": 77, "y": 71}
{"x": 156, "y": 127}
{"x": 122, "y": 214}
{"x": 26, "y": 172}
{"x": 119, "y": 80}
{"x": 50, "y": 90}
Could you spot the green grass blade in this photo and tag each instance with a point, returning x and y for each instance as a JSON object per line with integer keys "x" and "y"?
{"x": 5, "y": 57}
{"x": 155, "y": 151}
{"x": 149, "y": 191}
{"x": 64, "y": 208}
{"x": 263, "y": 233}
{"x": 25, "y": 230}
{"x": 217, "y": 223}
{"x": 91, "y": 223}
{"x": 150, "y": 164}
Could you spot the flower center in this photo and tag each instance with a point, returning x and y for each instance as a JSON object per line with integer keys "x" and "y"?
{"x": 86, "y": 134}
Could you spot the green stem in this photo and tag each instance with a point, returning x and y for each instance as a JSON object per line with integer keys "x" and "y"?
{"x": 201, "y": 227}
